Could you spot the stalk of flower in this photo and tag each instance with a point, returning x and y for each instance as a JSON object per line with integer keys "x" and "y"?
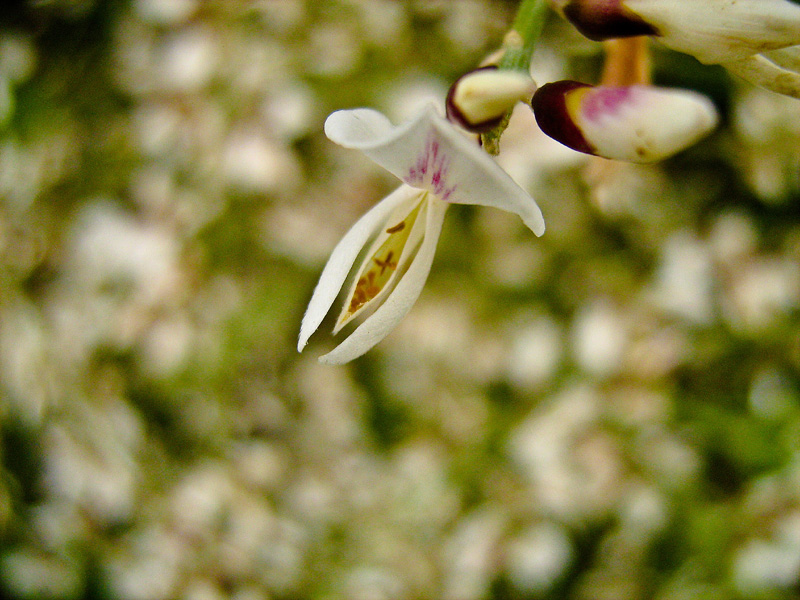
{"x": 438, "y": 166}
{"x": 755, "y": 39}
{"x": 627, "y": 63}
{"x": 515, "y": 55}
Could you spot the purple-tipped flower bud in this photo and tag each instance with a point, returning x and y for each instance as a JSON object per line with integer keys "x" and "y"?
{"x": 480, "y": 99}
{"x": 604, "y": 19}
{"x": 637, "y": 123}
{"x": 713, "y": 31}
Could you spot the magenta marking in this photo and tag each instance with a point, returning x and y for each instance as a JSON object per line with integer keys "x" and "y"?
{"x": 446, "y": 194}
{"x": 430, "y": 170}
{"x": 605, "y": 101}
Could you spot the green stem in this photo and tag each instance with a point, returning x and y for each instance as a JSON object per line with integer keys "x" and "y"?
{"x": 527, "y": 26}
{"x": 518, "y": 48}
{"x": 517, "y": 53}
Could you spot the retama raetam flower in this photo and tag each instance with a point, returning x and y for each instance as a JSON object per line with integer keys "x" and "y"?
{"x": 438, "y": 166}
{"x": 638, "y": 123}
{"x": 756, "y": 39}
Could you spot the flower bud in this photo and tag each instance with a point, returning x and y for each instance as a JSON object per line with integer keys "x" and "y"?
{"x": 604, "y": 19}
{"x": 480, "y": 99}
{"x": 636, "y": 123}
{"x": 713, "y": 31}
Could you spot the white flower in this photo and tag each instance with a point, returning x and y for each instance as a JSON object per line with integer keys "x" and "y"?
{"x": 756, "y": 39}
{"x": 438, "y": 167}
{"x": 637, "y": 123}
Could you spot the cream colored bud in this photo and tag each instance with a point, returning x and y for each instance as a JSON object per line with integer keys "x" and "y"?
{"x": 484, "y": 96}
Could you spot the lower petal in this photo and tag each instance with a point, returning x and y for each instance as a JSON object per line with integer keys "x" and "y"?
{"x": 397, "y": 304}
{"x": 342, "y": 258}
{"x": 763, "y": 72}
{"x": 787, "y": 58}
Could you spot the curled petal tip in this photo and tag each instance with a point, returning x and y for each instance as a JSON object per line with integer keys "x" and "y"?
{"x": 639, "y": 123}
{"x": 777, "y": 71}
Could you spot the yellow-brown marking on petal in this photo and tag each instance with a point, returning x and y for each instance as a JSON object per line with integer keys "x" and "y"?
{"x": 378, "y": 269}
{"x": 399, "y": 227}
{"x": 386, "y": 263}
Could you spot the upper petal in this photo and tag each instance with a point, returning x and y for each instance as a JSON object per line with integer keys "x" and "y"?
{"x": 342, "y": 258}
{"x": 430, "y": 141}
{"x": 475, "y": 178}
{"x": 397, "y": 304}
{"x": 395, "y": 148}
{"x": 357, "y": 127}
{"x": 720, "y": 30}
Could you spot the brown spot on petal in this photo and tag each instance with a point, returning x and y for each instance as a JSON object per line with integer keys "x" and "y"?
{"x": 396, "y": 228}
{"x": 366, "y": 290}
{"x": 386, "y": 263}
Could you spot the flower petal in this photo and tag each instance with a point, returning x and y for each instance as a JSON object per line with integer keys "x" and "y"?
{"x": 472, "y": 176}
{"x": 390, "y": 252}
{"x": 397, "y": 304}
{"x": 344, "y": 255}
{"x": 767, "y": 74}
{"x": 477, "y": 179}
{"x": 395, "y": 148}
{"x": 356, "y": 127}
{"x": 717, "y": 31}
{"x": 788, "y": 58}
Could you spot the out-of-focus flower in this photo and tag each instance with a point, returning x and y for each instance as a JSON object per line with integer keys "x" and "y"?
{"x": 756, "y": 39}
{"x": 480, "y": 99}
{"x": 439, "y": 166}
{"x": 636, "y": 123}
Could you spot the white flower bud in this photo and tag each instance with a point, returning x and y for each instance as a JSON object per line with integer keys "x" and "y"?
{"x": 639, "y": 123}
{"x": 480, "y": 99}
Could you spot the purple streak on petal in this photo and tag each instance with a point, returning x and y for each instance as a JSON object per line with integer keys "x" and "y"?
{"x": 430, "y": 169}
{"x": 606, "y": 100}
{"x": 448, "y": 192}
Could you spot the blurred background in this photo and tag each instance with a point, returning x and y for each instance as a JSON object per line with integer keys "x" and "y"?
{"x": 610, "y": 411}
